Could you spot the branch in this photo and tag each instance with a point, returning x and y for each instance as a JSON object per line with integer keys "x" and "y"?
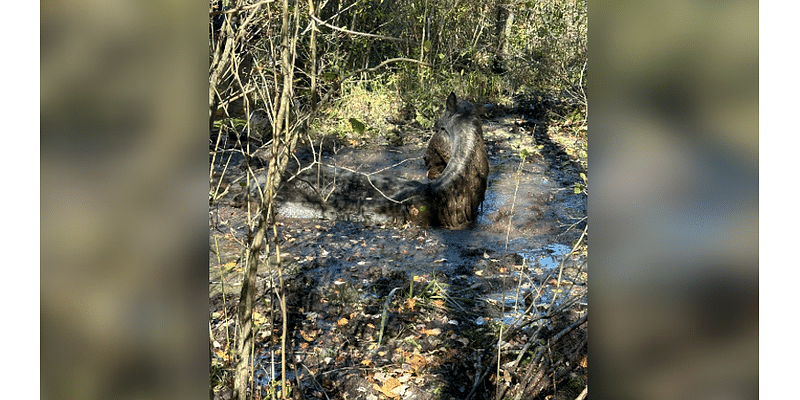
{"x": 237, "y": 9}
{"x": 370, "y": 35}
{"x": 387, "y": 62}
{"x": 369, "y": 180}
{"x": 569, "y": 328}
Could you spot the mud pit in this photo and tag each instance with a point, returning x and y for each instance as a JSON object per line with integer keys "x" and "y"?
{"x": 455, "y": 286}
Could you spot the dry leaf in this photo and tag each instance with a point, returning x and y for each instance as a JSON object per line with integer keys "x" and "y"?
{"x": 308, "y": 337}
{"x": 387, "y": 387}
{"x": 400, "y": 390}
{"x": 342, "y": 321}
{"x": 416, "y": 362}
{"x": 432, "y": 332}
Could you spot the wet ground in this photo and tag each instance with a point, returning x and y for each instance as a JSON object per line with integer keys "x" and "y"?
{"x": 517, "y": 256}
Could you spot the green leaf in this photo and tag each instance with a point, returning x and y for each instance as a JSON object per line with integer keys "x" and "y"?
{"x": 330, "y": 76}
{"x": 357, "y": 125}
{"x": 583, "y": 176}
{"x": 426, "y": 45}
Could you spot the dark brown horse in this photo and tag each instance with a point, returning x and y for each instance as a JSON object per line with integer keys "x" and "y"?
{"x": 457, "y": 170}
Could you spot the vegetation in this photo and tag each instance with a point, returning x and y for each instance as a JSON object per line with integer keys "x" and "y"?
{"x": 283, "y": 71}
{"x": 378, "y": 59}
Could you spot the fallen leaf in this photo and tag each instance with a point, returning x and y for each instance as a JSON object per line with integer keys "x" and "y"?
{"x": 417, "y": 362}
{"x": 387, "y": 387}
{"x": 308, "y": 337}
{"x": 342, "y": 321}
{"x": 400, "y": 390}
{"x": 432, "y": 332}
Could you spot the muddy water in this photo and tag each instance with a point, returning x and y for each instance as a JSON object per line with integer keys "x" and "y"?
{"x": 516, "y": 247}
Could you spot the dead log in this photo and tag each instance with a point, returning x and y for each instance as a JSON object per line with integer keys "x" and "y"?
{"x": 457, "y": 164}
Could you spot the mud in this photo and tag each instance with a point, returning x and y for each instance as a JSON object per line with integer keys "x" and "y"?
{"x": 511, "y": 258}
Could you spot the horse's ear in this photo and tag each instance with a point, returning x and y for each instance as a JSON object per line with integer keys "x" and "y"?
{"x": 452, "y": 102}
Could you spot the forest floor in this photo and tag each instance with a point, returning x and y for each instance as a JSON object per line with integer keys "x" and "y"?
{"x": 520, "y": 271}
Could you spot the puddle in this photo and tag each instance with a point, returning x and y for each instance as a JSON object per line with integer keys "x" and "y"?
{"x": 267, "y": 374}
{"x": 548, "y": 257}
{"x": 518, "y": 242}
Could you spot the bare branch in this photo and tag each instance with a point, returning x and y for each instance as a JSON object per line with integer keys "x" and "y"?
{"x": 367, "y": 175}
{"x": 238, "y": 9}
{"x": 391, "y": 60}
{"x": 370, "y": 35}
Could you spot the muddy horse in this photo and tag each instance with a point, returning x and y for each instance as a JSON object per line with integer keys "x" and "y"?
{"x": 457, "y": 166}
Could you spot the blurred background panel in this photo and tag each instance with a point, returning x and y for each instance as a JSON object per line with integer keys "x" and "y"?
{"x": 674, "y": 211}
{"x": 124, "y": 126}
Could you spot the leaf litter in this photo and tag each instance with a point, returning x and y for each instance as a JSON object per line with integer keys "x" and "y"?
{"x": 458, "y": 289}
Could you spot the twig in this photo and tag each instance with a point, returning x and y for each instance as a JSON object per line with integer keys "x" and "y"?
{"x": 561, "y": 266}
{"x": 583, "y": 394}
{"x": 370, "y": 35}
{"x": 387, "y": 62}
{"x": 367, "y": 175}
{"x": 238, "y": 9}
{"x": 316, "y": 383}
{"x": 569, "y": 328}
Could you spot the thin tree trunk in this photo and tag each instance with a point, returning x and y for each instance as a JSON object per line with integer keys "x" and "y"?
{"x": 313, "y": 44}
{"x": 244, "y": 331}
{"x": 284, "y": 141}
